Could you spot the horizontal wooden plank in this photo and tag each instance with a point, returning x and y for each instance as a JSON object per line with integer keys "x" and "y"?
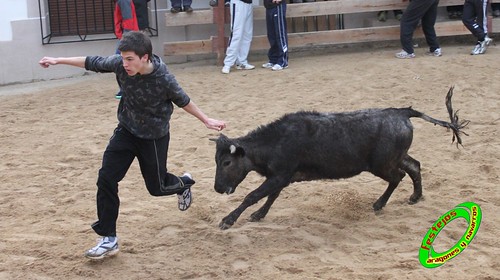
{"x": 351, "y": 6}
{"x": 358, "y": 35}
{"x": 495, "y": 25}
{"x": 332, "y": 37}
{"x": 204, "y": 16}
{"x": 188, "y": 47}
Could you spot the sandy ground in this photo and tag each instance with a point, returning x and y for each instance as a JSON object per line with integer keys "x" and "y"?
{"x": 52, "y": 135}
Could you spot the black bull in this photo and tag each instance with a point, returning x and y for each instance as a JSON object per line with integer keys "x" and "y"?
{"x": 306, "y": 146}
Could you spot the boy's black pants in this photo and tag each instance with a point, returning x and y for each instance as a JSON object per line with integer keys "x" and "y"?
{"x": 121, "y": 151}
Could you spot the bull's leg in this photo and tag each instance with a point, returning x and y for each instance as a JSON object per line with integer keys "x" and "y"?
{"x": 394, "y": 176}
{"x": 262, "y": 212}
{"x": 412, "y": 167}
{"x": 269, "y": 187}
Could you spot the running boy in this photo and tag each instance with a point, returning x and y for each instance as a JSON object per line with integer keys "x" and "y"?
{"x": 149, "y": 92}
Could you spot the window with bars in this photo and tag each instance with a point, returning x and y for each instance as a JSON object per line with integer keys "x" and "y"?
{"x": 80, "y": 20}
{"x": 80, "y": 17}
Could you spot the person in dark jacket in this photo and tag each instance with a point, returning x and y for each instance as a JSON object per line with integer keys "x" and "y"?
{"x": 276, "y": 34}
{"x": 475, "y": 18}
{"x": 424, "y": 11}
{"x": 181, "y": 5}
{"x": 149, "y": 93}
{"x": 141, "y": 10}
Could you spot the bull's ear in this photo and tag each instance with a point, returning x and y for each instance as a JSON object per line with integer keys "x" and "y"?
{"x": 237, "y": 151}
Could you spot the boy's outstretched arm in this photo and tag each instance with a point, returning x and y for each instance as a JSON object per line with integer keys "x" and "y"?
{"x": 77, "y": 61}
{"x": 192, "y": 109}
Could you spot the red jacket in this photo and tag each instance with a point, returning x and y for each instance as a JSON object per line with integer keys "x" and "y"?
{"x": 125, "y": 17}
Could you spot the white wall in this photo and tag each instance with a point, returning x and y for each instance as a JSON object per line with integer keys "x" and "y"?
{"x": 11, "y": 10}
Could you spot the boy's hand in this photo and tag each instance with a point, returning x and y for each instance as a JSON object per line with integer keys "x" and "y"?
{"x": 47, "y": 61}
{"x": 215, "y": 124}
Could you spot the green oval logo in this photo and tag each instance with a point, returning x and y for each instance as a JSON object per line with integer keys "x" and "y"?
{"x": 471, "y": 212}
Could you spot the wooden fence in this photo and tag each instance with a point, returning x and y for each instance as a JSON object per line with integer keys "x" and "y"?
{"x": 220, "y": 16}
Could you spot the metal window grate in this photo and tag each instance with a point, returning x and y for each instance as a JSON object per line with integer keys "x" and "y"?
{"x": 80, "y": 20}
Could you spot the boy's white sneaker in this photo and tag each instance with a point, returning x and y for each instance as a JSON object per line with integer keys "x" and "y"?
{"x": 185, "y": 198}
{"x": 106, "y": 246}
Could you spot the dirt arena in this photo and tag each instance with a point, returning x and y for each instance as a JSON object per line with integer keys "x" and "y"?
{"x": 53, "y": 134}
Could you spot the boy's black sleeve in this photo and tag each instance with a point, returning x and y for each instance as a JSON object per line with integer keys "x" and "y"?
{"x": 103, "y": 64}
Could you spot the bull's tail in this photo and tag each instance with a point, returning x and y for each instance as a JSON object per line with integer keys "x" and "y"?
{"x": 455, "y": 125}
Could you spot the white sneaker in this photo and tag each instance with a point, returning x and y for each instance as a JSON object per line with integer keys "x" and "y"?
{"x": 226, "y": 70}
{"x": 185, "y": 198}
{"x": 436, "y": 52}
{"x": 487, "y": 40}
{"x": 403, "y": 54}
{"x": 477, "y": 49}
{"x": 278, "y": 67}
{"x": 106, "y": 246}
{"x": 481, "y": 46}
{"x": 268, "y": 65}
{"x": 245, "y": 67}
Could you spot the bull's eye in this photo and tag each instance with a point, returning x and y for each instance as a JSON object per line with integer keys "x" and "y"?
{"x": 226, "y": 163}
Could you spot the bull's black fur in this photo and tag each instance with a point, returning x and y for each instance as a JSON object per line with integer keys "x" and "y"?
{"x": 307, "y": 146}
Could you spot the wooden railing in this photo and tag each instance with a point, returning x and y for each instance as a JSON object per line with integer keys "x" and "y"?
{"x": 220, "y": 16}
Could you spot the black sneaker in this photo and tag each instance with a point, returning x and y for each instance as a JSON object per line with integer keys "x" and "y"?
{"x": 187, "y": 180}
{"x": 188, "y": 9}
{"x": 175, "y": 10}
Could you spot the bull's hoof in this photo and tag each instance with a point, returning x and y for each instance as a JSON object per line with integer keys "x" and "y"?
{"x": 414, "y": 199}
{"x": 254, "y": 218}
{"x": 223, "y": 225}
{"x": 377, "y": 206}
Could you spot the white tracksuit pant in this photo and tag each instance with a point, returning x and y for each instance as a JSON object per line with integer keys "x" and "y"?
{"x": 241, "y": 33}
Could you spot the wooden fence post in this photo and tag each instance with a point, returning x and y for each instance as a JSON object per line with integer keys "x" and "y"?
{"x": 220, "y": 41}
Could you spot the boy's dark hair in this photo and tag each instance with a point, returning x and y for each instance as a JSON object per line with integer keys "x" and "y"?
{"x": 137, "y": 42}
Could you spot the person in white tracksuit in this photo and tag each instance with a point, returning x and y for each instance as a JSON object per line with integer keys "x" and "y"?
{"x": 241, "y": 36}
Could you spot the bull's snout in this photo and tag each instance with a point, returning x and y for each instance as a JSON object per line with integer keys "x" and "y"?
{"x": 222, "y": 190}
